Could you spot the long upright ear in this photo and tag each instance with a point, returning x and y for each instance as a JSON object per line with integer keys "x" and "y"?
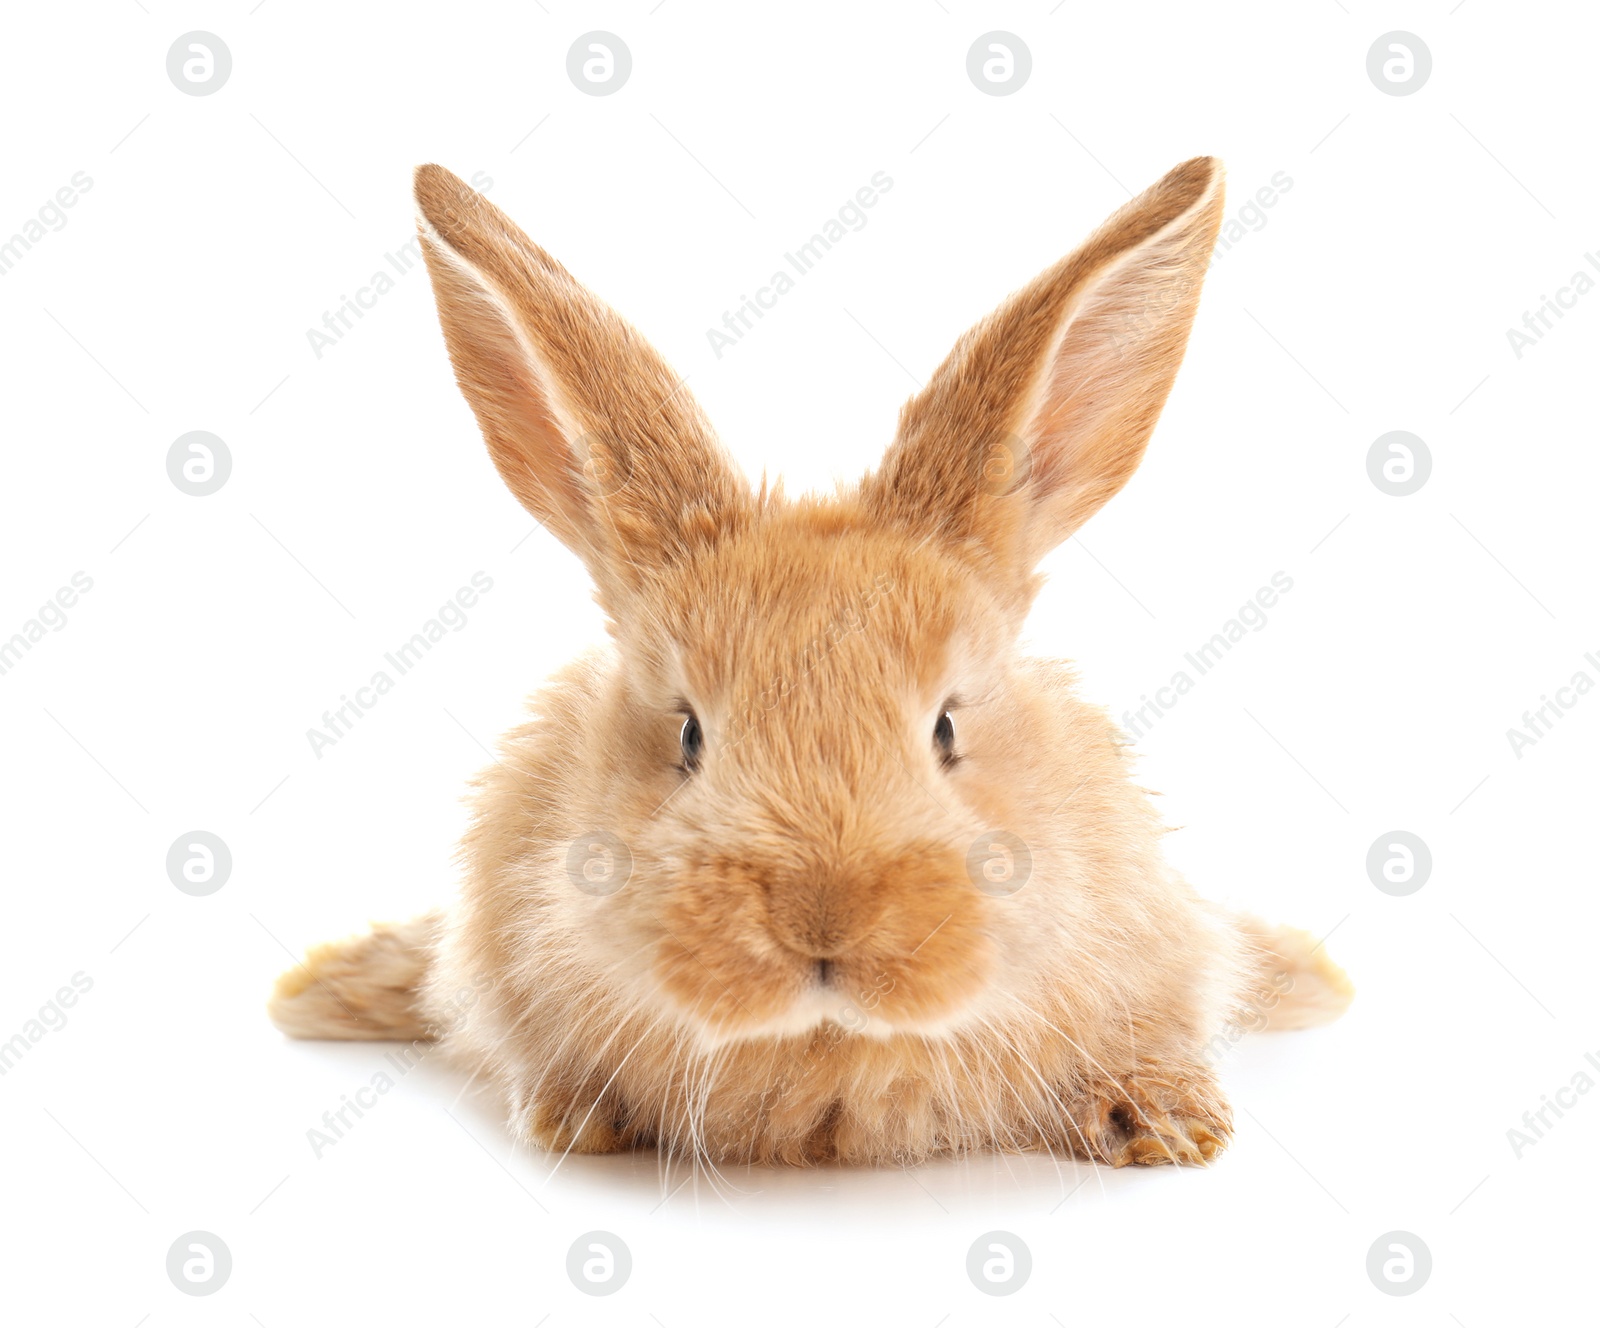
{"x": 589, "y": 428}
{"x": 1042, "y": 411}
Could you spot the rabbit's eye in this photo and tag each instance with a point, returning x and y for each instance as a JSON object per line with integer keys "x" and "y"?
{"x": 944, "y": 738}
{"x": 691, "y": 741}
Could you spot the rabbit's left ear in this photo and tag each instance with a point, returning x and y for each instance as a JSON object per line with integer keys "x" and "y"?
{"x": 1043, "y": 410}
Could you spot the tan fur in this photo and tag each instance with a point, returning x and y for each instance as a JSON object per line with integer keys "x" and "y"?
{"x": 1296, "y": 985}
{"x": 801, "y": 964}
{"x": 367, "y": 987}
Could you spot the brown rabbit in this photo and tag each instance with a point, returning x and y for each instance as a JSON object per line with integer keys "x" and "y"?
{"x": 809, "y": 864}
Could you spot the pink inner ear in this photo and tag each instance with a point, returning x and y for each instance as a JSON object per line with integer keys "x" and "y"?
{"x": 510, "y": 394}
{"x": 1108, "y": 377}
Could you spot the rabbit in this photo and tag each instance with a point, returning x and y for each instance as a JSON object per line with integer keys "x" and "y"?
{"x": 809, "y": 865}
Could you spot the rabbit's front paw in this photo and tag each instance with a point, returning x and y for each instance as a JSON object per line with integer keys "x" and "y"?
{"x": 561, "y": 1133}
{"x": 563, "y": 1126}
{"x": 1144, "y": 1121}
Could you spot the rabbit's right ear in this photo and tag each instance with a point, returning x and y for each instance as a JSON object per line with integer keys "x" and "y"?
{"x": 588, "y": 427}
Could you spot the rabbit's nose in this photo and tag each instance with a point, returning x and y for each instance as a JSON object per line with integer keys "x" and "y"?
{"x": 817, "y": 942}
{"x": 816, "y": 931}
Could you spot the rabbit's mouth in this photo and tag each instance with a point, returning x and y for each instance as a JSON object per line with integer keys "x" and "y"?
{"x": 841, "y": 1007}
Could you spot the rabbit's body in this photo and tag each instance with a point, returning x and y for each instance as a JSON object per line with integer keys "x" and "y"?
{"x": 803, "y": 930}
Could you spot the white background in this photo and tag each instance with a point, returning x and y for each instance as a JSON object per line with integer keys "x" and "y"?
{"x": 178, "y": 695}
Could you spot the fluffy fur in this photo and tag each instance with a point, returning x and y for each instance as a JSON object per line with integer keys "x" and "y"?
{"x": 813, "y": 946}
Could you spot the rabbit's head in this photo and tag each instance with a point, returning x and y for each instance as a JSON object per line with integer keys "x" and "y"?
{"x": 818, "y": 746}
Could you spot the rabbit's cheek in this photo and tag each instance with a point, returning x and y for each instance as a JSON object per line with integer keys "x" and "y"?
{"x": 717, "y": 961}
{"x": 926, "y": 962}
